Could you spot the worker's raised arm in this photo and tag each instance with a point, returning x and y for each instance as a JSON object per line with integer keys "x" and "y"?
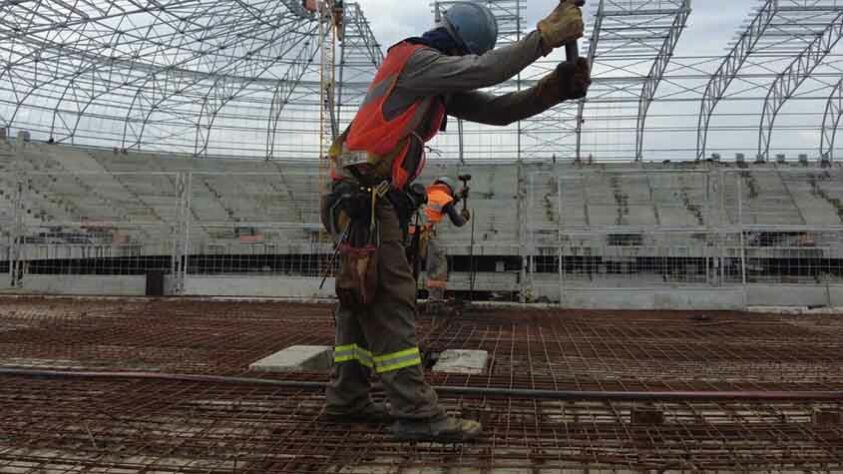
{"x": 440, "y": 69}
{"x": 567, "y": 82}
{"x": 457, "y": 218}
{"x": 430, "y": 72}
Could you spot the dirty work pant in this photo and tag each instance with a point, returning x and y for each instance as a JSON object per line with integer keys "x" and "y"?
{"x": 437, "y": 269}
{"x": 382, "y": 338}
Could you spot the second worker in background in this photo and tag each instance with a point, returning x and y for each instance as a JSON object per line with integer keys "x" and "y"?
{"x": 442, "y": 199}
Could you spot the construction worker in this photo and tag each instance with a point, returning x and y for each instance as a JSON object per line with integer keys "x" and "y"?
{"x": 442, "y": 199}
{"x": 373, "y": 163}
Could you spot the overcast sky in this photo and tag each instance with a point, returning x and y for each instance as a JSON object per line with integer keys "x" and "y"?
{"x": 671, "y": 125}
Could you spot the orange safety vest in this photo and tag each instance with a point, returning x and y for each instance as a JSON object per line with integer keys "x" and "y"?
{"x": 372, "y": 132}
{"x": 438, "y": 196}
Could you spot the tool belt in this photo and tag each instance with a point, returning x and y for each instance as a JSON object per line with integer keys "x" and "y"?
{"x": 349, "y": 212}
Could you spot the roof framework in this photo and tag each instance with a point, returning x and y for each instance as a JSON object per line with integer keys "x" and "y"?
{"x": 803, "y": 31}
{"x": 197, "y": 76}
{"x": 241, "y": 78}
{"x": 792, "y": 78}
{"x": 630, "y": 47}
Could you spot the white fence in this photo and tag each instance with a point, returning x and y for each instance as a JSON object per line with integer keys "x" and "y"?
{"x": 578, "y": 233}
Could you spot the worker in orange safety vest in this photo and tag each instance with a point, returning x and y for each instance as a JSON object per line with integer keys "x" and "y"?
{"x": 442, "y": 199}
{"x": 368, "y": 208}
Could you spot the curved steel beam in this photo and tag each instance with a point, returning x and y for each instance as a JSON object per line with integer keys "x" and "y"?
{"x": 791, "y": 78}
{"x": 831, "y": 120}
{"x": 279, "y": 44}
{"x": 90, "y": 60}
{"x": 355, "y": 17}
{"x": 651, "y": 83}
{"x": 592, "y": 52}
{"x": 233, "y": 89}
{"x": 285, "y": 88}
{"x": 154, "y": 52}
{"x": 729, "y": 68}
{"x": 357, "y": 37}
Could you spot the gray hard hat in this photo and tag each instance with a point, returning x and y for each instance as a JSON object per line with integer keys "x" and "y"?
{"x": 473, "y": 25}
{"x": 447, "y": 182}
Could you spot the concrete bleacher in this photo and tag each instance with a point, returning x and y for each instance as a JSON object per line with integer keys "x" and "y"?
{"x": 280, "y": 199}
{"x": 226, "y": 194}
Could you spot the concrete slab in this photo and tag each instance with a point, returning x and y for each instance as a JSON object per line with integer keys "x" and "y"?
{"x": 297, "y": 359}
{"x": 258, "y": 286}
{"x": 459, "y": 361}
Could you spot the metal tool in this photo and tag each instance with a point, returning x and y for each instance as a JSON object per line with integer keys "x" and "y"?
{"x": 465, "y": 178}
{"x": 572, "y": 49}
{"x": 343, "y": 237}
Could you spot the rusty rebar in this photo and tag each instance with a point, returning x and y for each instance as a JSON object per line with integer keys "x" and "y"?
{"x": 558, "y": 395}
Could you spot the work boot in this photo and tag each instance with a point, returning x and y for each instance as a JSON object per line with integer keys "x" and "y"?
{"x": 444, "y": 430}
{"x": 375, "y": 412}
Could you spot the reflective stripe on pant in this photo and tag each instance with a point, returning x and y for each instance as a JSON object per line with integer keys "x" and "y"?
{"x": 353, "y": 353}
{"x": 385, "y": 333}
{"x": 398, "y": 360}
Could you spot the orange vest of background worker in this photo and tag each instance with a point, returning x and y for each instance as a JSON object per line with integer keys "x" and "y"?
{"x": 441, "y": 201}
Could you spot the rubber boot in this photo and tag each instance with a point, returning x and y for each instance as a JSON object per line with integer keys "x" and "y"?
{"x": 443, "y": 430}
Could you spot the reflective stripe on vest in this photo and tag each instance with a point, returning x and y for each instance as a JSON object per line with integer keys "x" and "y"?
{"x": 373, "y": 132}
{"x": 438, "y": 196}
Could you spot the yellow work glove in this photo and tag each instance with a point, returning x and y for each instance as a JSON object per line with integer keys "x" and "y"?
{"x": 563, "y": 25}
{"x": 567, "y": 82}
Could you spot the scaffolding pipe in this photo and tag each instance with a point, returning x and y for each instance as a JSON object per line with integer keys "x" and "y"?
{"x": 562, "y": 395}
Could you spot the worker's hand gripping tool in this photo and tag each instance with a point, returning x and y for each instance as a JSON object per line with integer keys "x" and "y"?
{"x": 572, "y": 49}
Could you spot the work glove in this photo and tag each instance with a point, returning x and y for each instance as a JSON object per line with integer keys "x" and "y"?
{"x": 465, "y": 215}
{"x": 568, "y": 81}
{"x": 563, "y": 25}
{"x": 463, "y": 193}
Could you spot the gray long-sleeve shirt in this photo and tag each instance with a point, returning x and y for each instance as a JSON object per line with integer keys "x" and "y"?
{"x": 430, "y": 73}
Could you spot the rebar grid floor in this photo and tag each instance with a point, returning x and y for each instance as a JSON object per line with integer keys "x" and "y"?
{"x": 131, "y": 426}
{"x": 123, "y": 426}
{"x": 528, "y": 348}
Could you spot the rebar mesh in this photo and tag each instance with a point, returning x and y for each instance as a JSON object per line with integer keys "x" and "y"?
{"x": 121, "y": 425}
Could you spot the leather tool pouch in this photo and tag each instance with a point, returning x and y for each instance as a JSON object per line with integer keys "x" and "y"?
{"x": 357, "y": 280}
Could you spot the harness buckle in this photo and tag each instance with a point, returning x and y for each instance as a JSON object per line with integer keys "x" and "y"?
{"x": 382, "y": 188}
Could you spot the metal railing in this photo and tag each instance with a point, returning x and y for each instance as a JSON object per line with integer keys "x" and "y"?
{"x": 583, "y": 228}
{"x": 674, "y": 229}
